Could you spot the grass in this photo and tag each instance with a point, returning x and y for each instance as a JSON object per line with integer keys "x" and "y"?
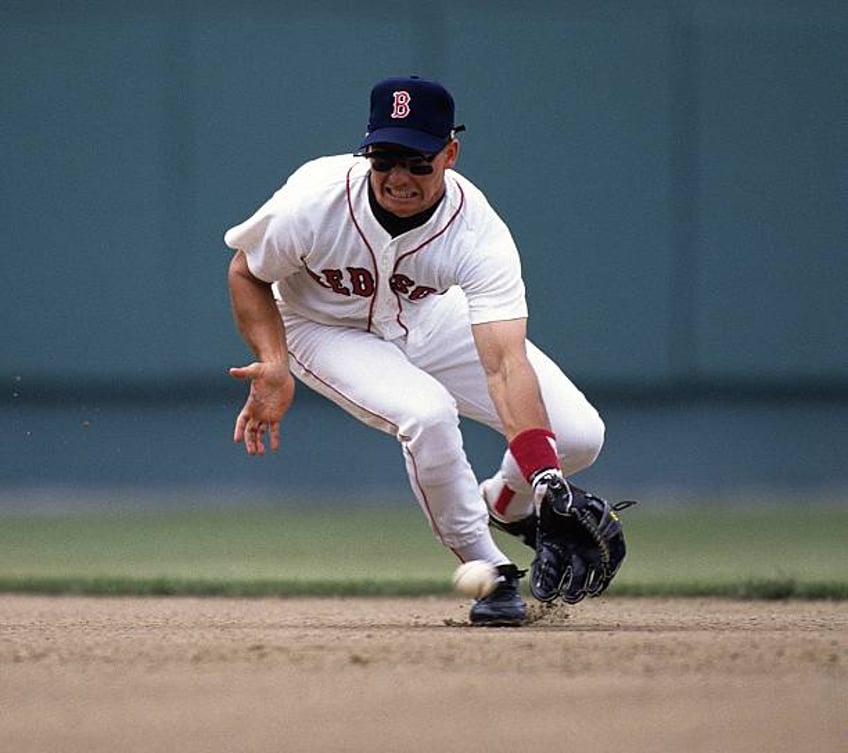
{"x": 763, "y": 553}
{"x": 760, "y": 552}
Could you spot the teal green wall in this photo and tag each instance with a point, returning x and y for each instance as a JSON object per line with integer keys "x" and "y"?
{"x": 676, "y": 174}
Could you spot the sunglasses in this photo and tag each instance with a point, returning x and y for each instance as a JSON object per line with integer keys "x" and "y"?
{"x": 415, "y": 164}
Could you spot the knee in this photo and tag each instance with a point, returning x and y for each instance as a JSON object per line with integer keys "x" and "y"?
{"x": 432, "y": 422}
{"x": 581, "y": 444}
{"x": 428, "y": 415}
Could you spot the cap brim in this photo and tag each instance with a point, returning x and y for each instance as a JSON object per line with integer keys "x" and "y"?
{"x": 418, "y": 141}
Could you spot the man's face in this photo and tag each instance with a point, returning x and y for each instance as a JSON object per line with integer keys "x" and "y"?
{"x": 400, "y": 190}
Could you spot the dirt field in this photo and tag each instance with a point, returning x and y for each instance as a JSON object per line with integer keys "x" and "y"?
{"x": 406, "y": 675}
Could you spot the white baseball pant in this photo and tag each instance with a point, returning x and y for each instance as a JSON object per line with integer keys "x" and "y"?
{"x": 416, "y": 388}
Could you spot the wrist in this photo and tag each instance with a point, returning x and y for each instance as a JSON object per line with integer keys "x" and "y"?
{"x": 534, "y": 450}
{"x": 275, "y": 372}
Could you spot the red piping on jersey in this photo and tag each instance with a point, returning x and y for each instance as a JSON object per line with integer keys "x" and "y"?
{"x": 367, "y": 245}
{"x": 420, "y": 246}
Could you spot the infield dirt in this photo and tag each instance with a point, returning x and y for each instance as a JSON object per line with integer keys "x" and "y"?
{"x": 407, "y": 675}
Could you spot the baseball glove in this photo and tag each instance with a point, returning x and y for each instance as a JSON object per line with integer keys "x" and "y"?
{"x": 579, "y": 542}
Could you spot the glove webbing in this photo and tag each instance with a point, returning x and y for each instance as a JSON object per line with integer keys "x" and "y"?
{"x": 592, "y": 527}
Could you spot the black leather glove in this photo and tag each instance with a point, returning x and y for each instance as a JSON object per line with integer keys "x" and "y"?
{"x": 579, "y": 541}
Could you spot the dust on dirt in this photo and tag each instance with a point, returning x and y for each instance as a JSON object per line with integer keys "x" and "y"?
{"x": 612, "y": 674}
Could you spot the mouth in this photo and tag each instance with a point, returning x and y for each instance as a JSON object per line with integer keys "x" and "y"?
{"x": 399, "y": 194}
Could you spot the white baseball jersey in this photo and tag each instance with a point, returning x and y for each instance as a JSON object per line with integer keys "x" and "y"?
{"x": 333, "y": 263}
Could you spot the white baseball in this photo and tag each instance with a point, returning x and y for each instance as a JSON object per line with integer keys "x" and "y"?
{"x": 476, "y": 579}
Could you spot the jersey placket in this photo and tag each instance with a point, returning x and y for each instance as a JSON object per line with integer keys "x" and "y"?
{"x": 386, "y": 306}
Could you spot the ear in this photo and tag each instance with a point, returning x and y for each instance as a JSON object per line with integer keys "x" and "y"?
{"x": 451, "y": 153}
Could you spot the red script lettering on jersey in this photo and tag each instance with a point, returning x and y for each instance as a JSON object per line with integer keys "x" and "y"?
{"x": 360, "y": 281}
{"x": 402, "y": 285}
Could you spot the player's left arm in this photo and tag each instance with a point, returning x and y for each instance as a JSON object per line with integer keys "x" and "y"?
{"x": 511, "y": 379}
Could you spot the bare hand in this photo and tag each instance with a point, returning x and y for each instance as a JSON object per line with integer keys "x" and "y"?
{"x": 271, "y": 394}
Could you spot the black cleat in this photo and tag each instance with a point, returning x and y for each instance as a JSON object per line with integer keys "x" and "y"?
{"x": 524, "y": 529}
{"x": 504, "y": 606}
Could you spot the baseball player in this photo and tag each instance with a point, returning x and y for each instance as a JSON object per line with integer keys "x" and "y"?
{"x": 385, "y": 281}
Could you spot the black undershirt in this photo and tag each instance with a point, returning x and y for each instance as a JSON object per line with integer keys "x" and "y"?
{"x": 395, "y": 225}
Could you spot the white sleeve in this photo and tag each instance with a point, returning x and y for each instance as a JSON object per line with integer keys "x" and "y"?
{"x": 490, "y": 277}
{"x": 273, "y": 239}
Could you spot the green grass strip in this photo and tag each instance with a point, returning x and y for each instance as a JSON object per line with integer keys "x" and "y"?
{"x": 748, "y": 590}
{"x": 776, "y": 552}
{"x": 754, "y": 590}
{"x": 104, "y": 586}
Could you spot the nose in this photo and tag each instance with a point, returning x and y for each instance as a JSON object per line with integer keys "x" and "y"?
{"x": 400, "y": 170}
{"x": 399, "y": 165}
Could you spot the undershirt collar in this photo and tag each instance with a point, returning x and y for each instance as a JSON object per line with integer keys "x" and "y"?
{"x": 395, "y": 225}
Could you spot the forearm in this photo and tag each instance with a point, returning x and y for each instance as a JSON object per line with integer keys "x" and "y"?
{"x": 512, "y": 382}
{"x": 514, "y": 390}
{"x": 255, "y": 313}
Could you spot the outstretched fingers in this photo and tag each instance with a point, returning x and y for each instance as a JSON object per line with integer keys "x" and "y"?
{"x": 252, "y": 433}
{"x": 271, "y": 394}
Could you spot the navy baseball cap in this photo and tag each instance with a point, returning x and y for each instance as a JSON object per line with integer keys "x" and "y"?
{"x": 412, "y": 112}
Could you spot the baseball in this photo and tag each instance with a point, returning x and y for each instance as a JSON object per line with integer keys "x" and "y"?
{"x": 475, "y": 579}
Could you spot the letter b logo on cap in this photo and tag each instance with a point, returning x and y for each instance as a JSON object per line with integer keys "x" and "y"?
{"x": 401, "y": 104}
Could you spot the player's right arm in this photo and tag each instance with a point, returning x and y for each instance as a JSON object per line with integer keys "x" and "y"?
{"x": 271, "y": 383}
